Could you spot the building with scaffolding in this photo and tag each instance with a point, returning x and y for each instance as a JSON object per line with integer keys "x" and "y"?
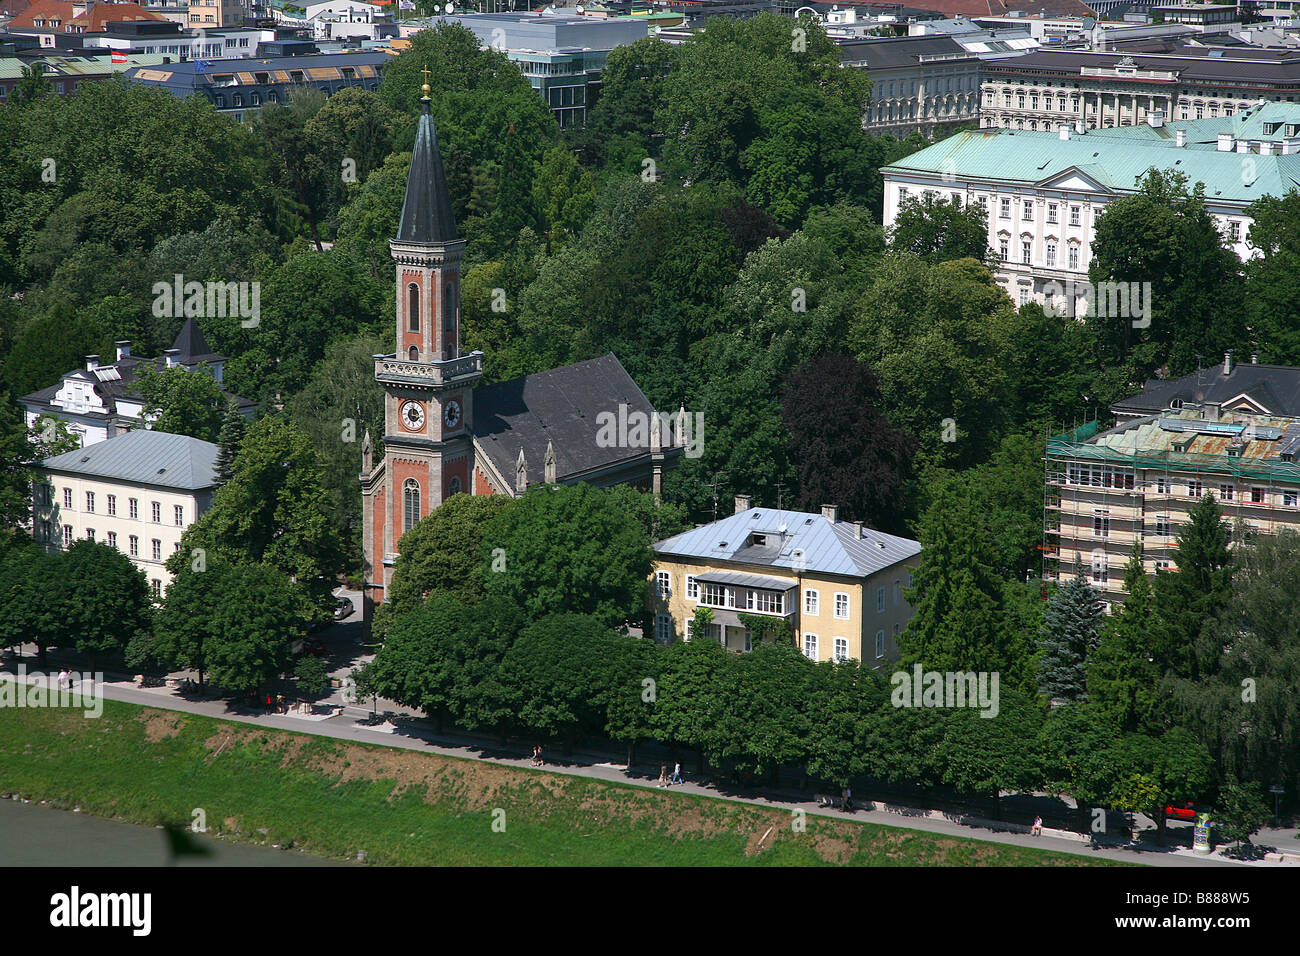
{"x": 1137, "y": 482}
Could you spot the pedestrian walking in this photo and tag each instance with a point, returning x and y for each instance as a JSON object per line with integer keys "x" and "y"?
{"x": 677, "y": 774}
{"x": 63, "y": 678}
{"x": 663, "y": 775}
{"x": 1037, "y": 829}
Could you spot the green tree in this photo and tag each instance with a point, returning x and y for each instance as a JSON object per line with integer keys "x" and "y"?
{"x": 958, "y": 619}
{"x": 1165, "y": 236}
{"x": 230, "y": 439}
{"x": 1242, "y": 810}
{"x": 274, "y": 510}
{"x": 312, "y": 677}
{"x": 17, "y": 454}
{"x": 1273, "y": 276}
{"x": 104, "y": 598}
{"x": 1195, "y": 594}
{"x": 983, "y": 755}
{"x": 337, "y": 406}
{"x": 1122, "y": 677}
{"x": 568, "y": 548}
{"x": 442, "y": 553}
{"x": 1070, "y": 633}
{"x": 184, "y": 403}
{"x": 445, "y": 658}
{"x": 940, "y": 230}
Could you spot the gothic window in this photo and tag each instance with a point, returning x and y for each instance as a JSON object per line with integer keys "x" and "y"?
{"x": 412, "y": 308}
{"x": 410, "y": 504}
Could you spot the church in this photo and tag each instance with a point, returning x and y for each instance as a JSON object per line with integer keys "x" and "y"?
{"x": 444, "y": 433}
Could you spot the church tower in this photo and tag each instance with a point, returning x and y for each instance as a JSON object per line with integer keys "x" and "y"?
{"x": 428, "y": 383}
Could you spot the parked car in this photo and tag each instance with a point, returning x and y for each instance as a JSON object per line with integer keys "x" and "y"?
{"x": 343, "y": 609}
{"x": 1187, "y": 810}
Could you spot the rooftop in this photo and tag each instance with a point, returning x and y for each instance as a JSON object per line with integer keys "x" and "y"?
{"x": 789, "y": 540}
{"x": 1112, "y": 160}
{"x": 144, "y": 458}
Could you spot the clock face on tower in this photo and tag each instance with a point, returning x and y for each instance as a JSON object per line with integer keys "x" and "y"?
{"x": 413, "y": 416}
{"x": 451, "y": 413}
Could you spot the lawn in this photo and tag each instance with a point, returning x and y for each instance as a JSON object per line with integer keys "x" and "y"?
{"x": 339, "y": 799}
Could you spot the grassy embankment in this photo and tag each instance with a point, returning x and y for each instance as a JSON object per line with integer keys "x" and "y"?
{"x": 336, "y": 798}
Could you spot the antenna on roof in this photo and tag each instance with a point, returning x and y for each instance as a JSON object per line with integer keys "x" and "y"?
{"x": 779, "y": 486}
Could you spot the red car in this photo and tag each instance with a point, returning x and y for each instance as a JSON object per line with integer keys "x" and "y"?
{"x": 1188, "y": 810}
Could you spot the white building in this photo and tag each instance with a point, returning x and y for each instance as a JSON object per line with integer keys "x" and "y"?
{"x": 137, "y": 492}
{"x": 101, "y": 401}
{"x": 1043, "y": 191}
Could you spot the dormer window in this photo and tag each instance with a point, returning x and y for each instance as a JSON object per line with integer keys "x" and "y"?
{"x": 758, "y": 540}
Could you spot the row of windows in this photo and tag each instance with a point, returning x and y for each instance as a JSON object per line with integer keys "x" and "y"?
{"x": 1027, "y": 211}
{"x": 133, "y": 507}
{"x": 840, "y": 645}
{"x": 1098, "y": 476}
{"x": 255, "y": 98}
{"x": 718, "y": 595}
{"x": 133, "y": 541}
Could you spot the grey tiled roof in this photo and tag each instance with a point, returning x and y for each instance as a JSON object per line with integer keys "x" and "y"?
{"x": 828, "y": 547}
{"x": 559, "y": 406}
{"x": 1274, "y": 387}
{"x": 144, "y": 458}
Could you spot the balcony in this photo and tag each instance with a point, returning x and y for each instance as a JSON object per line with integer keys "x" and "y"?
{"x": 391, "y": 370}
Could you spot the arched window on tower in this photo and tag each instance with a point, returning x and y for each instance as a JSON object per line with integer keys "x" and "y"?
{"x": 449, "y": 319}
{"x": 413, "y": 354}
{"x": 412, "y": 308}
{"x": 410, "y": 504}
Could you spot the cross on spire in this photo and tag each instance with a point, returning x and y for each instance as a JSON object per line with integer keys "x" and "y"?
{"x": 425, "y": 71}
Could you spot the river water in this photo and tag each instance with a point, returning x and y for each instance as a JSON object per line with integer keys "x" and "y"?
{"x": 33, "y": 835}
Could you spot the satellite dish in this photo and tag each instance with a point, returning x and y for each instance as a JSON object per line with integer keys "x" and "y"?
{"x": 1088, "y": 23}
{"x": 578, "y": 8}
{"x": 449, "y": 8}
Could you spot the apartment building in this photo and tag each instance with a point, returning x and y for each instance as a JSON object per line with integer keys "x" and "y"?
{"x": 1043, "y": 191}
{"x": 216, "y": 13}
{"x": 1230, "y": 431}
{"x": 836, "y": 588}
{"x": 137, "y": 492}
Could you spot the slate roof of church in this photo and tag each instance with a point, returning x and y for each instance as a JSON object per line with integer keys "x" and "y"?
{"x": 559, "y": 406}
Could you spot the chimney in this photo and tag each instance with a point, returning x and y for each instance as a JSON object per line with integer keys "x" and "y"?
{"x": 1079, "y": 128}
{"x": 1266, "y": 148}
{"x": 123, "y": 349}
{"x": 742, "y": 503}
{"x": 1225, "y": 142}
{"x": 857, "y": 529}
{"x": 1254, "y": 358}
{"x": 1243, "y": 146}
{"x": 831, "y": 513}
{"x": 1228, "y": 363}
{"x": 170, "y": 356}
{"x": 1156, "y": 119}
{"x": 1064, "y": 131}
{"x": 1180, "y": 138}
{"x": 92, "y": 362}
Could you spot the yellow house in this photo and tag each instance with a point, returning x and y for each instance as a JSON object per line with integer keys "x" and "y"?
{"x": 834, "y": 587}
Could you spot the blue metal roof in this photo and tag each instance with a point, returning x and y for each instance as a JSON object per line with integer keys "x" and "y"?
{"x": 144, "y": 458}
{"x": 811, "y": 541}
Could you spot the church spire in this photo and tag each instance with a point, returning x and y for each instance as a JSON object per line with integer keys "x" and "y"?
{"x": 426, "y": 210}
